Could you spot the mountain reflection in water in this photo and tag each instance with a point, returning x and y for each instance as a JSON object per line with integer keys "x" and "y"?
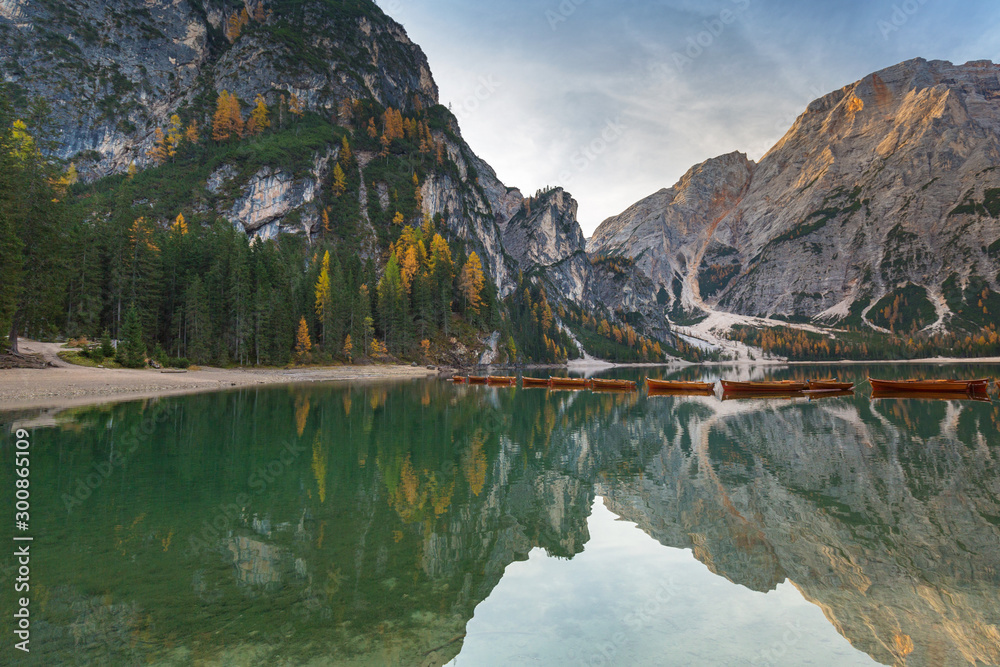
{"x": 363, "y": 525}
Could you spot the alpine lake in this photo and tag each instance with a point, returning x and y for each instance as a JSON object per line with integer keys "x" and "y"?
{"x": 426, "y": 523}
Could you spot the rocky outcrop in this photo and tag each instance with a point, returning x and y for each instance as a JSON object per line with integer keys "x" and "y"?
{"x": 888, "y": 181}
{"x": 113, "y": 72}
{"x": 667, "y": 234}
{"x": 544, "y": 237}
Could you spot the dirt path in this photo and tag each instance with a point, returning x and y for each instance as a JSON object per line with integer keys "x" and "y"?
{"x": 65, "y": 385}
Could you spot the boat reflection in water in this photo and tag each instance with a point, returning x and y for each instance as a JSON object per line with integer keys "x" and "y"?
{"x": 423, "y": 522}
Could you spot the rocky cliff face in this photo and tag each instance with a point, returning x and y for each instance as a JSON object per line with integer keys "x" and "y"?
{"x": 113, "y": 71}
{"x": 671, "y": 232}
{"x": 888, "y": 182}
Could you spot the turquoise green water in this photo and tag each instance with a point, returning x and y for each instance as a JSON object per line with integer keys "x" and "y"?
{"x": 427, "y": 524}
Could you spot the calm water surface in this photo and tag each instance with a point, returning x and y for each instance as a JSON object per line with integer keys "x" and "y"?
{"x": 431, "y": 524}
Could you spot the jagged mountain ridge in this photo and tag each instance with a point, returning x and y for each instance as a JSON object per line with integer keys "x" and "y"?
{"x": 886, "y": 182}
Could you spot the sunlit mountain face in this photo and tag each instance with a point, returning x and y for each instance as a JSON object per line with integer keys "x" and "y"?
{"x": 425, "y": 523}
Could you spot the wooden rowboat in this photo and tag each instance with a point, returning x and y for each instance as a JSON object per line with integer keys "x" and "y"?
{"x": 763, "y": 387}
{"x": 534, "y": 382}
{"x": 953, "y": 386}
{"x": 569, "y": 383}
{"x": 598, "y": 383}
{"x": 477, "y": 379}
{"x": 830, "y": 384}
{"x": 502, "y": 380}
{"x": 678, "y": 385}
{"x": 932, "y": 395}
{"x": 458, "y": 379}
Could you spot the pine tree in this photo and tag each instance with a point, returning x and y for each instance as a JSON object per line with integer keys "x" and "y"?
{"x": 392, "y": 305}
{"x": 197, "y": 325}
{"x": 33, "y": 232}
{"x": 362, "y": 325}
{"x": 442, "y": 273}
{"x": 131, "y": 349}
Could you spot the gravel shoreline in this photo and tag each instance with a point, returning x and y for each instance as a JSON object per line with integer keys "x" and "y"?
{"x": 67, "y": 385}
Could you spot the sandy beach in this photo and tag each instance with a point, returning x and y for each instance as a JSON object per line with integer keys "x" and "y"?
{"x": 65, "y": 385}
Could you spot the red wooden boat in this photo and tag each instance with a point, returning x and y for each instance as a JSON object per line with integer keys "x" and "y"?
{"x": 534, "y": 382}
{"x": 835, "y": 385}
{"x": 981, "y": 386}
{"x": 501, "y": 380}
{"x": 458, "y": 379}
{"x": 569, "y": 383}
{"x": 678, "y": 385}
{"x": 627, "y": 385}
{"x": 477, "y": 379}
{"x": 779, "y": 386}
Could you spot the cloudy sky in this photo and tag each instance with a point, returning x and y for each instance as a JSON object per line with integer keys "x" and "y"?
{"x": 615, "y": 100}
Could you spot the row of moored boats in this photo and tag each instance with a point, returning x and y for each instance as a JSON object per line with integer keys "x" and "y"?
{"x": 880, "y": 388}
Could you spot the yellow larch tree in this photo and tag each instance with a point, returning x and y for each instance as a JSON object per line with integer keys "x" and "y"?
{"x": 158, "y": 151}
{"x": 235, "y": 116}
{"x": 323, "y": 298}
{"x": 471, "y": 282}
{"x": 296, "y": 105}
{"x": 259, "y": 118}
{"x": 180, "y": 225}
{"x": 222, "y": 126}
{"x": 302, "y": 341}
{"x": 191, "y": 132}
{"x": 174, "y": 135}
{"x": 348, "y": 348}
{"x": 339, "y": 180}
{"x": 345, "y": 152}
{"x": 408, "y": 267}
